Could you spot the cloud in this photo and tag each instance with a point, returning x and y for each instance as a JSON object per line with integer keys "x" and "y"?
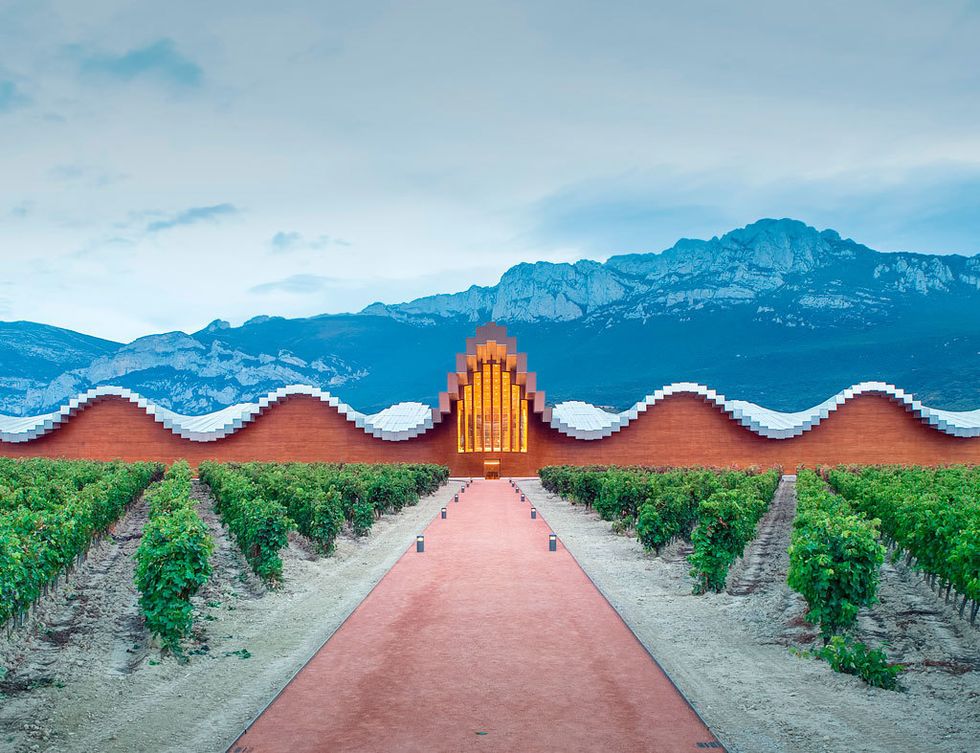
{"x": 86, "y": 174}
{"x": 291, "y": 240}
{"x": 302, "y": 284}
{"x": 626, "y": 213}
{"x": 283, "y": 241}
{"x": 159, "y": 60}
{"x": 193, "y": 216}
{"x": 22, "y": 209}
{"x": 11, "y": 98}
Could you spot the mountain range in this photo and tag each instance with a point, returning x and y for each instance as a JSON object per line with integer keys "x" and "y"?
{"x": 777, "y": 312}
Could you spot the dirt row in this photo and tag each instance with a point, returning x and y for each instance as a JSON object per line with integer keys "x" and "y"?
{"x": 83, "y": 674}
{"x": 737, "y": 655}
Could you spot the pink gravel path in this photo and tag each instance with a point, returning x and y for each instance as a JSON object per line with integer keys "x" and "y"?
{"x": 485, "y": 642}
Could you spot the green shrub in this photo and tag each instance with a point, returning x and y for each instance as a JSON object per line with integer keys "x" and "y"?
{"x": 49, "y": 512}
{"x": 665, "y": 515}
{"x": 259, "y": 502}
{"x": 930, "y": 515}
{"x": 260, "y": 526}
{"x": 621, "y": 493}
{"x": 835, "y": 557}
{"x": 586, "y": 487}
{"x": 362, "y": 517}
{"x": 327, "y": 519}
{"x": 172, "y": 559}
{"x": 853, "y": 658}
{"x": 663, "y": 504}
{"x": 726, "y": 522}
{"x": 174, "y": 491}
{"x": 171, "y": 565}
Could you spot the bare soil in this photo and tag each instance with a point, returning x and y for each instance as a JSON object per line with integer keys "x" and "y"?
{"x": 734, "y": 654}
{"x": 83, "y": 675}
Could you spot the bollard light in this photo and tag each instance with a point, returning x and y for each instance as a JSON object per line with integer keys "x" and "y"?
{"x": 443, "y": 513}
{"x": 516, "y": 490}
{"x": 552, "y": 543}
{"x": 534, "y": 513}
{"x": 455, "y": 498}
{"x": 420, "y": 543}
{"x": 522, "y": 498}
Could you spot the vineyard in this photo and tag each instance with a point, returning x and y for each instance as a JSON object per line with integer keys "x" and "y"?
{"x": 870, "y": 571}
{"x": 847, "y": 520}
{"x": 172, "y": 561}
{"x": 850, "y": 517}
{"x": 50, "y": 512}
{"x": 717, "y": 511}
{"x": 835, "y": 556}
{"x": 261, "y": 502}
{"x": 929, "y": 516}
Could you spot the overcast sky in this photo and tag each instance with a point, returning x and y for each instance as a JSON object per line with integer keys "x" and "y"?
{"x": 164, "y": 164}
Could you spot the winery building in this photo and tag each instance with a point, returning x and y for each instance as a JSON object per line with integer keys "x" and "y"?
{"x": 494, "y": 419}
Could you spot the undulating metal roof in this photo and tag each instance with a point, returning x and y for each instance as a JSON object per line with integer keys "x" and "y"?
{"x": 576, "y": 419}
{"x": 399, "y": 422}
{"x": 586, "y": 421}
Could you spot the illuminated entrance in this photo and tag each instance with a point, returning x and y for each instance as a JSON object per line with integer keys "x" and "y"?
{"x": 492, "y": 404}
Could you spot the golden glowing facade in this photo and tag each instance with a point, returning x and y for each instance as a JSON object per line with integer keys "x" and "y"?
{"x": 491, "y": 411}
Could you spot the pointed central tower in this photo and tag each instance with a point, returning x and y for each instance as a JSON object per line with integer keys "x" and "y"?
{"x": 494, "y": 394}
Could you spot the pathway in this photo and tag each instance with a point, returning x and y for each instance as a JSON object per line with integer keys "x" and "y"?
{"x": 766, "y": 558}
{"x": 485, "y": 642}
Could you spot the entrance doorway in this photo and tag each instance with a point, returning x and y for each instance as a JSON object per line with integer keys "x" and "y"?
{"x": 491, "y": 469}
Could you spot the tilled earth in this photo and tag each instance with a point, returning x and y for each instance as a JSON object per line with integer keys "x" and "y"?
{"x": 83, "y": 674}
{"x": 740, "y": 656}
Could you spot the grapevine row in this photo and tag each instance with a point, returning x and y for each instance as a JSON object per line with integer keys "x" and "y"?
{"x": 50, "y": 510}
{"x": 931, "y": 515}
{"x": 261, "y": 502}
{"x": 834, "y": 556}
{"x": 718, "y": 511}
{"x": 172, "y": 561}
{"x": 834, "y": 563}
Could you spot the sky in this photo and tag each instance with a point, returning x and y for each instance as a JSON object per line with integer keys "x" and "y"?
{"x": 166, "y": 164}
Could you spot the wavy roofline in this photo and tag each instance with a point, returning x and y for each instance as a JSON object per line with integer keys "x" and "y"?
{"x": 408, "y": 420}
{"x": 570, "y": 417}
{"x": 416, "y": 418}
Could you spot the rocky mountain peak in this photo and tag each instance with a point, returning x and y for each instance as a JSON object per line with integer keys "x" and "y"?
{"x": 814, "y": 274}
{"x": 217, "y": 325}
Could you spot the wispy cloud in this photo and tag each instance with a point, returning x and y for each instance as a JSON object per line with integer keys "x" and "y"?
{"x": 86, "y": 174}
{"x": 291, "y": 240}
{"x": 302, "y": 284}
{"x": 193, "y": 216}
{"x": 11, "y": 97}
{"x": 22, "y": 209}
{"x": 107, "y": 246}
{"x": 285, "y": 241}
{"x": 625, "y": 213}
{"x": 160, "y": 60}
